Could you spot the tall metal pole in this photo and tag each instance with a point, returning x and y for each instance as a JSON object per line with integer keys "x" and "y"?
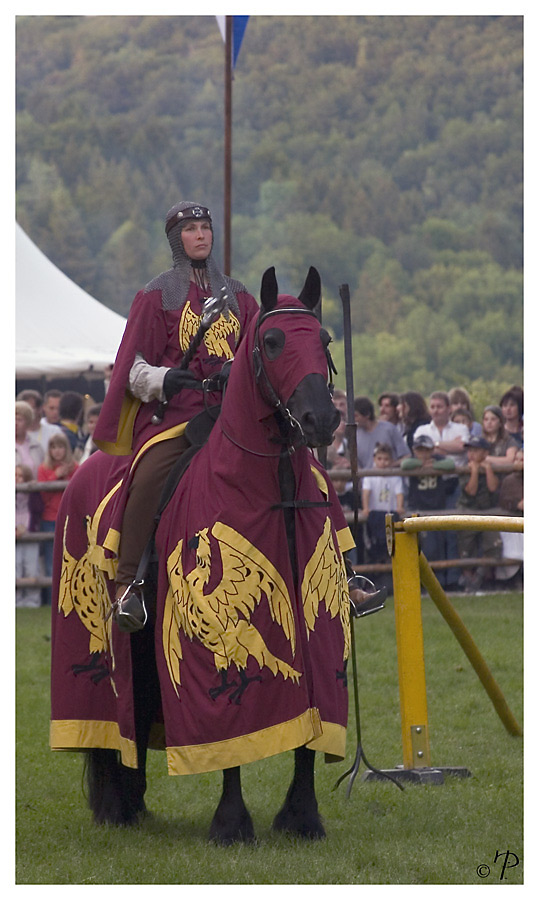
{"x": 228, "y": 143}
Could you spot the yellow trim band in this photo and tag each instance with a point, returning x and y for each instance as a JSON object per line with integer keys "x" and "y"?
{"x": 112, "y": 538}
{"x": 87, "y": 734}
{"x": 344, "y": 536}
{"x": 96, "y": 554}
{"x": 175, "y": 431}
{"x": 345, "y": 539}
{"x": 246, "y": 748}
{"x": 332, "y": 741}
{"x": 123, "y": 445}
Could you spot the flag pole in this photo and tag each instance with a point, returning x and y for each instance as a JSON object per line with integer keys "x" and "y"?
{"x": 228, "y": 143}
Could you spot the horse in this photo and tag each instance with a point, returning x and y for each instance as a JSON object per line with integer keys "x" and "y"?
{"x": 245, "y": 649}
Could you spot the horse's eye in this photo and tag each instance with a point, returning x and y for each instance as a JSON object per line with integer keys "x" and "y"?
{"x": 274, "y": 341}
{"x": 326, "y": 338}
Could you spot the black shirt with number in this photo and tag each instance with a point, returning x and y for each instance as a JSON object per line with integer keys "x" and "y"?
{"x": 427, "y": 492}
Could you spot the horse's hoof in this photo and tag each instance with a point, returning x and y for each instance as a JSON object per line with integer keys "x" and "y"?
{"x": 225, "y": 834}
{"x": 310, "y": 828}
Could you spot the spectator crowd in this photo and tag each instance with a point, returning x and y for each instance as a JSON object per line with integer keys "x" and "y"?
{"x": 53, "y": 436}
{"x": 447, "y": 461}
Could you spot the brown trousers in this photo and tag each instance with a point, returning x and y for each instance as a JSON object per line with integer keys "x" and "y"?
{"x": 143, "y": 502}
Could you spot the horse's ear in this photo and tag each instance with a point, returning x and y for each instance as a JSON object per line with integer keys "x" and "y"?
{"x": 312, "y": 289}
{"x": 269, "y": 289}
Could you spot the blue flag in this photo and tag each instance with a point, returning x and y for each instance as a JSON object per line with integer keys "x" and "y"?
{"x": 239, "y": 24}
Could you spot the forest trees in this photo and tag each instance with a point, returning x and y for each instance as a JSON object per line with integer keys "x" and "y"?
{"x": 387, "y": 151}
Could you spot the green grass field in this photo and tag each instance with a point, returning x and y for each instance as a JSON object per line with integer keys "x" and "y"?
{"x": 426, "y": 834}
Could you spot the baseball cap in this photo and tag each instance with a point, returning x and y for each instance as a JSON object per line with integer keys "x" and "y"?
{"x": 478, "y": 442}
{"x": 423, "y": 440}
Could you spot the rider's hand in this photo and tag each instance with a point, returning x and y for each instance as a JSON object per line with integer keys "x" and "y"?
{"x": 177, "y": 379}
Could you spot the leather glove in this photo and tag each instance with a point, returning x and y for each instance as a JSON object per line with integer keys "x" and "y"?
{"x": 177, "y": 379}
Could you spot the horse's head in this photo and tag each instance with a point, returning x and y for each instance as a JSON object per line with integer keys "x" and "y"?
{"x": 291, "y": 358}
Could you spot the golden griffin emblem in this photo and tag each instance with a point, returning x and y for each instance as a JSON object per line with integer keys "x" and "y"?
{"x": 221, "y": 618}
{"x": 83, "y": 588}
{"x": 215, "y": 339}
{"x": 324, "y": 581}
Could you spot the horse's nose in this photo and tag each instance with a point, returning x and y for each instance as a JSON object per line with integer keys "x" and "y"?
{"x": 320, "y": 426}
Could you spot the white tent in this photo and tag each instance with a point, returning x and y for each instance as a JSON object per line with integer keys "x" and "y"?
{"x": 60, "y": 329}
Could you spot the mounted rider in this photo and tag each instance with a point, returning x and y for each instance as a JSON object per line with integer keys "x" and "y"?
{"x": 146, "y": 409}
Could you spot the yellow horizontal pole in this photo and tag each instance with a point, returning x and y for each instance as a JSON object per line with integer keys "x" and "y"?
{"x": 463, "y": 636}
{"x": 461, "y": 523}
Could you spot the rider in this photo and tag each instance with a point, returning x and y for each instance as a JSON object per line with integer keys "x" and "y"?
{"x": 146, "y": 408}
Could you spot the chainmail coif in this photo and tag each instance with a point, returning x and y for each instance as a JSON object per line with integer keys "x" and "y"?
{"x": 174, "y": 283}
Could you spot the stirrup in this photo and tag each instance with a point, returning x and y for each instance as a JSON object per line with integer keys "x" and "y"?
{"x": 374, "y": 601}
{"x": 129, "y": 610}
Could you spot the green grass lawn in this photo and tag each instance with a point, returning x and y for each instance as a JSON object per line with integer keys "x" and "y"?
{"x": 426, "y": 834}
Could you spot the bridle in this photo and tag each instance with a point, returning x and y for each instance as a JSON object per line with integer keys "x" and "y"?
{"x": 291, "y": 431}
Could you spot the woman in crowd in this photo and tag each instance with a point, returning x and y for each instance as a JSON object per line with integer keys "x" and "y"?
{"x": 28, "y": 450}
{"x": 413, "y": 412}
{"x": 512, "y": 406}
{"x": 503, "y": 447}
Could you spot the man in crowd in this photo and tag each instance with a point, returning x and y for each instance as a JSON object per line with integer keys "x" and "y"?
{"x": 51, "y": 407}
{"x": 449, "y": 439}
{"x": 371, "y": 432}
{"x": 388, "y": 409}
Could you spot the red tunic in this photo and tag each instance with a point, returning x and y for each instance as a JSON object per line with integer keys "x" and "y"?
{"x": 162, "y": 337}
{"x": 124, "y": 427}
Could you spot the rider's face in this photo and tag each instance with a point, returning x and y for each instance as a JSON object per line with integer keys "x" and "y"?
{"x": 197, "y": 238}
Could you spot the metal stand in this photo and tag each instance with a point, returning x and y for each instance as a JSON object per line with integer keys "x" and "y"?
{"x": 426, "y": 775}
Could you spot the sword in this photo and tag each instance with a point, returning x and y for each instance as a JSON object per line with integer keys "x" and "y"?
{"x": 211, "y": 310}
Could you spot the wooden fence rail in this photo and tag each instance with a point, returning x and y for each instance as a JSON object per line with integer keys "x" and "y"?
{"x": 362, "y": 569}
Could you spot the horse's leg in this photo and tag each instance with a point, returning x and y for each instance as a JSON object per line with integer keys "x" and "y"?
{"x": 116, "y": 792}
{"x": 232, "y": 821}
{"x": 299, "y": 814}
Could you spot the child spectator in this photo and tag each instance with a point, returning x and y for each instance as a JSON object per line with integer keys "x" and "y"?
{"x": 26, "y": 555}
{"x": 343, "y": 489}
{"x": 463, "y": 416}
{"x": 459, "y": 398}
{"x": 479, "y": 492}
{"x": 428, "y": 493}
{"x": 91, "y": 418}
{"x": 381, "y": 494}
{"x": 58, "y": 465}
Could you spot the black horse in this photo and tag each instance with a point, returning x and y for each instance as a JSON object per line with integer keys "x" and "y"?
{"x": 297, "y": 414}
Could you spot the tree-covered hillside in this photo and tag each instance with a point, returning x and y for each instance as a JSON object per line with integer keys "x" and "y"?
{"x": 385, "y": 150}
